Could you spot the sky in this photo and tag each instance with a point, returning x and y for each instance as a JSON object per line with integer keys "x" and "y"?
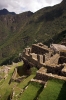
{"x": 19, "y": 6}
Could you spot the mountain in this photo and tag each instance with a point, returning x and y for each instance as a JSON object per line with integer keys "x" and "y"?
{"x": 19, "y": 31}
{"x": 5, "y": 12}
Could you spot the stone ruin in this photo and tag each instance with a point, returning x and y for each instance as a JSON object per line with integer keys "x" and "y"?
{"x": 51, "y": 62}
{"x": 64, "y": 42}
{"x": 36, "y": 55}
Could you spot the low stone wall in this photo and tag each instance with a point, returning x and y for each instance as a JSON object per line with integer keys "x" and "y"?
{"x": 34, "y": 59}
{"x": 62, "y": 60}
{"x": 41, "y": 77}
{"x": 39, "y": 49}
{"x": 63, "y": 53}
{"x": 55, "y": 70}
{"x": 63, "y": 73}
{"x": 47, "y": 76}
{"x": 14, "y": 74}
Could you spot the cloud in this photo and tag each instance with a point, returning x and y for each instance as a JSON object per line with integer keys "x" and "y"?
{"x": 19, "y": 6}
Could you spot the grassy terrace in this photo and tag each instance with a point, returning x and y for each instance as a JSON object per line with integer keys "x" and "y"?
{"x": 5, "y": 88}
{"x": 55, "y": 90}
{"x": 31, "y": 91}
{"x": 23, "y": 83}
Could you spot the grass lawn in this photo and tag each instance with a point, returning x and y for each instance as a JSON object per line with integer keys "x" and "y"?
{"x": 55, "y": 90}
{"x": 31, "y": 92}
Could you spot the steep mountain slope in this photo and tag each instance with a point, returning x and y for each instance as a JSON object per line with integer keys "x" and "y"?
{"x": 10, "y": 26}
{"x": 19, "y": 31}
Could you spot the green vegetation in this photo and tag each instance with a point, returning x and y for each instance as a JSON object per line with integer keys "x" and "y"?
{"x": 8, "y": 88}
{"x": 30, "y": 92}
{"x": 27, "y": 90}
{"x": 55, "y": 90}
{"x": 26, "y": 81}
{"x": 19, "y": 31}
{"x": 5, "y": 88}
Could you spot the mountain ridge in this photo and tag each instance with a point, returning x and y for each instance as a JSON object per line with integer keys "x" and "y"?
{"x": 22, "y": 30}
{"x": 5, "y": 12}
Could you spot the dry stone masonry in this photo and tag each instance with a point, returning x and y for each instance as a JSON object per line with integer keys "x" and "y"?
{"x": 51, "y": 62}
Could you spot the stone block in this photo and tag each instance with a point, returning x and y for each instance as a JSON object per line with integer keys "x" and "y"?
{"x": 63, "y": 53}
{"x": 40, "y": 58}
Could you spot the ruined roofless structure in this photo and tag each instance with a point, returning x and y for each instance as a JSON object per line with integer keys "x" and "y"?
{"x": 36, "y": 54}
{"x": 51, "y": 62}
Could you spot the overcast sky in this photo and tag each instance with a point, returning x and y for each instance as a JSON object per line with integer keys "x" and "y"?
{"x": 20, "y": 6}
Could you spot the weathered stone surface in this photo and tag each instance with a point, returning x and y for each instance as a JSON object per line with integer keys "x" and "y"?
{"x": 57, "y": 47}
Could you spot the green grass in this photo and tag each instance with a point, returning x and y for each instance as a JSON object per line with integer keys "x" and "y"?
{"x": 53, "y": 90}
{"x": 24, "y": 82}
{"x": 31, "y": 92}
{"x": 5, "y": 93}
{"x": 21, "y": 85}
{"x": 5, "y": 88}
{"x": 33, "y": 70}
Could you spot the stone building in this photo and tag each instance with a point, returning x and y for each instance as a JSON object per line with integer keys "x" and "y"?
{"x": 51, "y": 62}
{"x": 57, "y": 47}
{"x": 36, "y": 55}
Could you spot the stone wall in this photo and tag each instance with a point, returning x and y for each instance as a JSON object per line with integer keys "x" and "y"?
{"x": 63, "y": 53}
{"x": 55, "y": 70}
{"x": 41, "y": 77}
{"x": 32, "y": 58}
{"x": 63, "y": 71}
{"x": 39, "y": 49}
{"x": 64, "y": 42}
{"x": 14, "y": 74}
{"x": 45, "y": 76}
{"x": 62, "y": 60}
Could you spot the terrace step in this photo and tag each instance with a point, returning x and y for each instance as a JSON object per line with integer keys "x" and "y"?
{"x": 38, "y": 81}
